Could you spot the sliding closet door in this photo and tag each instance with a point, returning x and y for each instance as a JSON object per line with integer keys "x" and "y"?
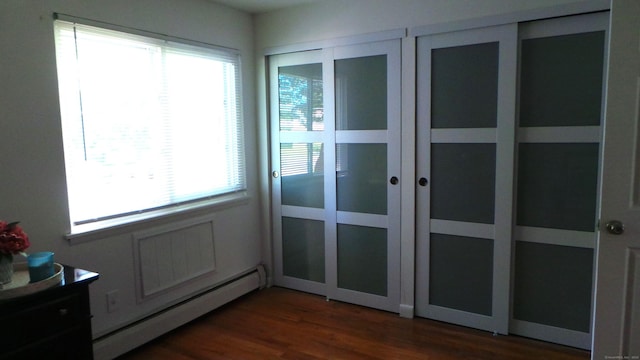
{"x": 298, "y": 138}
{"x": 335, "y": 135}
{"x": 560, "y": 110}
{"x": 466, "y": 107}
{"x": 366, "y": 239}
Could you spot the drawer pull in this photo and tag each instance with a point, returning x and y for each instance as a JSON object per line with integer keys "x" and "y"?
{"x": 63, "y": 312}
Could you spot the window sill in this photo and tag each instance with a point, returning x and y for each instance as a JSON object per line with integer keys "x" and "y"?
{"x": 103, "y": 229}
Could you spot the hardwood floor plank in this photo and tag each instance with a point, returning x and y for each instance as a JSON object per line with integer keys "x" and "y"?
{"x": 278, "y": 323}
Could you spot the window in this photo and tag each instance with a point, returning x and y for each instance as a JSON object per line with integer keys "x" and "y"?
{"x": 148, "y": 123}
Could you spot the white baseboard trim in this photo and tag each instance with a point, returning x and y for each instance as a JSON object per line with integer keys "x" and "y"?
{"x": 406, "y": 311}
{"x": 130, "y": 337}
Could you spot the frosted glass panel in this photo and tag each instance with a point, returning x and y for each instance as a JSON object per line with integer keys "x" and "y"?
{"x": 362, "y": 178}
{"x": 463, "y": 182}
{"x": 561, "y": 80}
{"x": 361, "y": 93}
{"x": 303, "y": 248}
{"x": 362, "y": 259}
{"x": 557, "y": 186}
{"x": 464, "y": 86}
{"x": 302, "y": 174}
{"x": 461, "y": 273}
{"x": 300, "y": 97}
{"x": 553, "y": 285}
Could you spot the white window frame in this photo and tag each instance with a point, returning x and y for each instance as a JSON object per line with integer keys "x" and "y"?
{"x": 235, "y": 192}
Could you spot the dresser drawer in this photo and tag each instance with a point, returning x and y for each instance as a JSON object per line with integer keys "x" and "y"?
{"x": 71, "y": 344}
{"x": 53, "y": 324}
{"x": 39, "y": 321}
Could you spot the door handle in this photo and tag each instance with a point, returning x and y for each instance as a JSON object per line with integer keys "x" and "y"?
{"x": 423, "y": 181}
{"x": 615, "y": 227}
{"x": 393, "y": 180}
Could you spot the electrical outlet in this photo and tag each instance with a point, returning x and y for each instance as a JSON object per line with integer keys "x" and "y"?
{"x": 113, "y": 300}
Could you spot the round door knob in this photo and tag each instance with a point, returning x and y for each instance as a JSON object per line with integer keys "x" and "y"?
{"x": 393, "y": 180}
{"x": 423, "y": 181}
{"x": 615, "y": 227}
{"x": 275, "y": 174}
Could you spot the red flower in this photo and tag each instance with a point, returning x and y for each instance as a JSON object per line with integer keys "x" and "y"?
{"x": 12, "y": 239}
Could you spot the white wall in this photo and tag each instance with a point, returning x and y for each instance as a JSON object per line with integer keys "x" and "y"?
{"x": 32, "y": 177}
{"x": 328, "y": 19}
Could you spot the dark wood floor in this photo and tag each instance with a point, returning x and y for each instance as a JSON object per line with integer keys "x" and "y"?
{"x": 278, "y": 323}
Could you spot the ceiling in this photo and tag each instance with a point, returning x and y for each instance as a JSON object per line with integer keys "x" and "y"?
{"x": 261, "y": 6}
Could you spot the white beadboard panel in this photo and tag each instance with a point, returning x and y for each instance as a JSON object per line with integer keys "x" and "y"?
{"x": 171, "y": 255}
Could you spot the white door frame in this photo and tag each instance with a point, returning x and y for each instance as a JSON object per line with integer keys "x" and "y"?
{"x": 616, "y": 332}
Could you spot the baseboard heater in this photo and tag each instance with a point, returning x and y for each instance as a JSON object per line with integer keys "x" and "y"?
{"x": 132, "y": 336}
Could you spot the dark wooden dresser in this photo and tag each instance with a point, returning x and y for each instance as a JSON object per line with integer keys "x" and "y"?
{"x": 54, "y": 323}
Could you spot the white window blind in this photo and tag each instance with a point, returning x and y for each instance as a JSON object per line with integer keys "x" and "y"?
{"x": 147, "y": 123}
